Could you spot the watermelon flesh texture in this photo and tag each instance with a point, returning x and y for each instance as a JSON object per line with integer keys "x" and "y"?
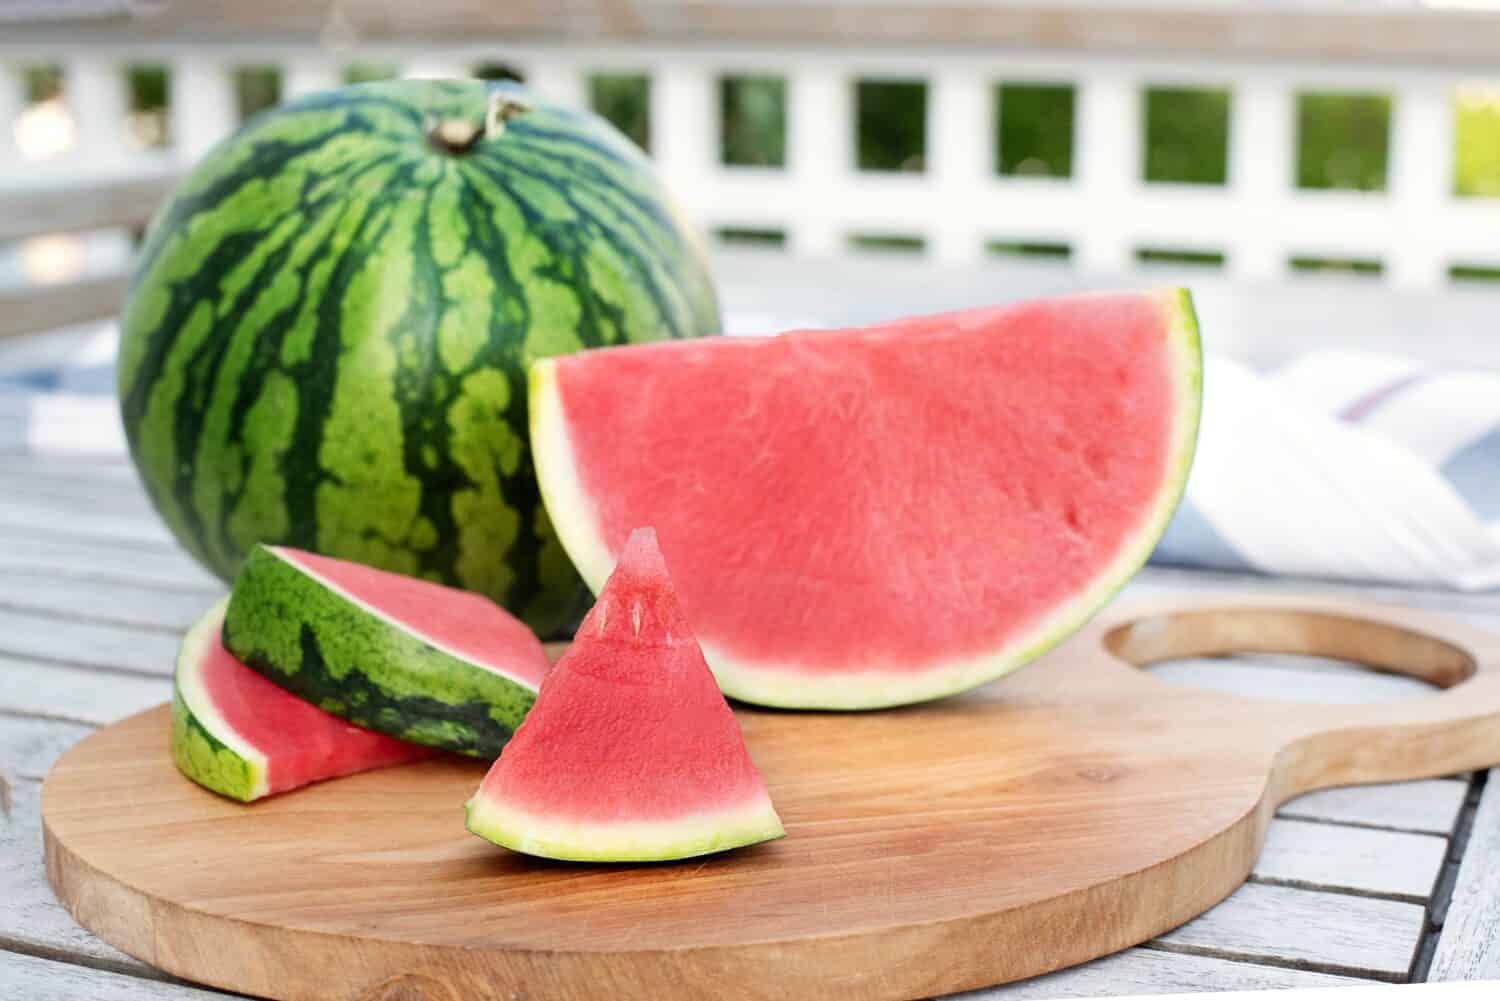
{"x": 446, "y": 618}
{"x": 884, "y": 515}
{"x": 409, "y": 658}
{"x": 241, "y": 736}
{"x": 631, "y": 753}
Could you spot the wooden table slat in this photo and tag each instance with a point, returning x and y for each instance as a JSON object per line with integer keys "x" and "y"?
{"x": 1424, "y": 807}
{"x": 32, "y": 307}
{"x": 141, "y": 528}
{"x": 167, "y": 570}
{"x": 30, "y": 744}
{"x": 1155, "y": 971}
{"x": 31, "y": 978}
{"x": 29, "y": 635}
{"x": 89, "y": 488}
{"x": 98, "y": 495}
{"x": 45, "y": 350}
{"x": 65, "y": 600}
{"x": 84, "y": 695}
{"x": 1327, "y": 856}
{"x": 31, "y": 918}
{"x": 1469, "y": 946}
{"x": 81, "y": 470}
{"x": 1330, "y": 932}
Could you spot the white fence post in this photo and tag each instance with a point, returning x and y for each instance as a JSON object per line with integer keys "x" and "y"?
{"x": 12, "y": 102}
{"x": 1418, "y": 226}
{"x": 303, "y": 75}
{"x": 961, "y": 145}
{"x": 819, "y": 156}
{"x": 94, "y": 89}
{"x": 1420, "y": 183}
{"x": 561, "y": 82}
{"x": 683, "y": 133}
{"x": 436, "y": 67}
{"x": 1262, "y": 155}
{"x": 1108, "y": 157}
{"x": 202, "y": 105}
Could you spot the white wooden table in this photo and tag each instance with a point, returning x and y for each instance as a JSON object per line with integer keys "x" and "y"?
{"x": 1380, "y": 884}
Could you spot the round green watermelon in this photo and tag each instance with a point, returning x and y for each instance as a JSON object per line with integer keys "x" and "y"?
{"x": 326, "y": 340}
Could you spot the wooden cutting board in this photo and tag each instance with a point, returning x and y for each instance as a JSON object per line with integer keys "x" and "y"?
{"x": 1071, "y": 810}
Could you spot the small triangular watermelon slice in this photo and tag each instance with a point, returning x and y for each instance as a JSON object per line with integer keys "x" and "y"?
{"x": 410, "y": 658}
{"x": 243, "y": 737}
{"x": 869, "y": 517}
{"x": 631, "y": 753}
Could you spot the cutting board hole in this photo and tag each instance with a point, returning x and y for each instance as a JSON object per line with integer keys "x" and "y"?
{"x": 1291, "y": 678}
{"x": 1298, "y": 656}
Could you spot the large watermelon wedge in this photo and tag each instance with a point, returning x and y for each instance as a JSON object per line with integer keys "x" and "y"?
{"x": 871, "y": 517}
{"x": 241, "y": 736}
{"x": 428, "y": 664}
{"x": 631, "y": 754}
{"x": 326, "y": 339}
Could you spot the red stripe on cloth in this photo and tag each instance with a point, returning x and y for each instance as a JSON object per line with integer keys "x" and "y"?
{"x": 1371, "y": 401}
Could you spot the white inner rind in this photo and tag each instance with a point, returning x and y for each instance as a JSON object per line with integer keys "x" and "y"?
{"x": 568, "y": 508}
{"x": 625, "y": 840}
{"x": 190, "y": 686}
{"x": 790, "y": 685}
{"x": 290, "y": 557}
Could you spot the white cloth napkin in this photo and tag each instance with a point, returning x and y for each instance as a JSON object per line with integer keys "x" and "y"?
{"x": 1345, "y": 465}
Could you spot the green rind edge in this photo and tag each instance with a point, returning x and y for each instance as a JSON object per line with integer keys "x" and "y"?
{"x": 710, "y": 842}
{"x": 321, "y": 646}
{"x": 204, "y": 758}
{"x": 1183, "y": 330}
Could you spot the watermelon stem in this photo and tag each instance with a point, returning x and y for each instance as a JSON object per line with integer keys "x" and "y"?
{"x": 459, "y": 135}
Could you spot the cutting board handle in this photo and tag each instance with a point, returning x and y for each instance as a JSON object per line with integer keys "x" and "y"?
{"x": 1453, "y": 730}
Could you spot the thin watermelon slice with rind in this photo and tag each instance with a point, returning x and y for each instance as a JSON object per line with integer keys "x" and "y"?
{"x": 407, "y": 657}
{"x": 239, "y": 735}
{"x": 889, "y": 514}
{"x": 631, "y": 753}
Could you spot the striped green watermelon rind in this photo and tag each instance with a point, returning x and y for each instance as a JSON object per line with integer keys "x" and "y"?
{"x": 572, "y": 511}
{"x": 331, "y": 650}
{"x": 326, "y": 339}
{"x": 238, "y": 772}
{"x": 209, "y": 762}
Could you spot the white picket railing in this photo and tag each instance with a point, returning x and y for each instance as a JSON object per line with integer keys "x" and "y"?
{"x": 1106, "y": 212}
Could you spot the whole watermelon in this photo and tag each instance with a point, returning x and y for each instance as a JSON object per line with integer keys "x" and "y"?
{"x": 326, "y": 341}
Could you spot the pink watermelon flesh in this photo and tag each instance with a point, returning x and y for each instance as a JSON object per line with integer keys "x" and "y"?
{"x": 283, "y": 741}
{"x": 446, "y": 617}
{"x": 301, "y": 742}
{"x": 868, "y": 517}
{"x": 631, "y": 752}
